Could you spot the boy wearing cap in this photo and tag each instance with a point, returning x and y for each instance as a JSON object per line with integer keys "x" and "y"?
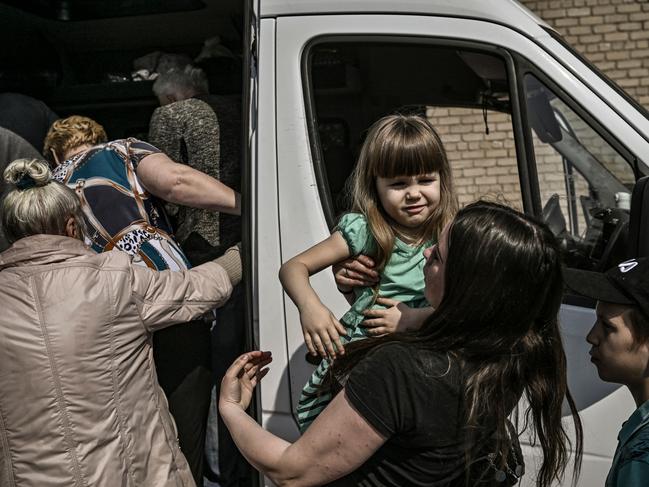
{"x": 620, "y": 351}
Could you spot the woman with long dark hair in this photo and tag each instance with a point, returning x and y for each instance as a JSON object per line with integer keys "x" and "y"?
{"x": 431, "y": 407}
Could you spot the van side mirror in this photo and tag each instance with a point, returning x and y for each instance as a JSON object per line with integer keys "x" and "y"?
{"x": 540, "y": 112}
{"x": 638, "y": 243}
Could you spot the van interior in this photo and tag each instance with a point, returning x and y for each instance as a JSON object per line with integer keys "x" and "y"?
{"x": 96, "y": 58}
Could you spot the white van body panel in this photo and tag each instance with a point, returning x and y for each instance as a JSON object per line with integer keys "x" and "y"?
{"x": 505, "y": 12}
{"x": 289, "y": 198}
{"x": 500, "y": 11}
{"x": 269, "y": 310}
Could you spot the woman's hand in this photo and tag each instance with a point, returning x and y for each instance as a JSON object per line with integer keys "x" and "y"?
{"x": 321, "y": 331}
{"x": 395, "y": 317}
{"x": 355, "y": 272}
{"x": 242, "y": 377}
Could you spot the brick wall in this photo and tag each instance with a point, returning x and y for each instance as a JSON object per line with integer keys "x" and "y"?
{"x": 613, "y": 35}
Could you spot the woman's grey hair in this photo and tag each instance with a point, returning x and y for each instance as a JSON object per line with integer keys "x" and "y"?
{"x": 182, "y": 83}
{"x": 37, "y": 204}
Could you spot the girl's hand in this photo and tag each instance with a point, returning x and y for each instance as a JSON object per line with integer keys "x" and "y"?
{"x": 322, "y": 331}
{"x": 355, "y": 272}
{"x": 242, "y": 377}
{"x": 396, "y": 317}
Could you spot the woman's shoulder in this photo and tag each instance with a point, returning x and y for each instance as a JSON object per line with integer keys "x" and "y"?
{"x": 413, "y": 357}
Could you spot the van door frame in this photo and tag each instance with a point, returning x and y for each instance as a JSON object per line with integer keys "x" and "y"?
{"x": 252, "y": 9}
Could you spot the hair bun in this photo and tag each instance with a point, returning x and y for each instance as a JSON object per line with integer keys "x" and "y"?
{"x": 28, "y": 173}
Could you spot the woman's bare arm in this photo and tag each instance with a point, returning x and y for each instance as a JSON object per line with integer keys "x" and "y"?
{"x": 183, "y": 185}
{"x": 338, "y": 442}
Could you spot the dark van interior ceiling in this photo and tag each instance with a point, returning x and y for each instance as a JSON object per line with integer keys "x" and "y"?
{"x": 80, "y": 56}
{"x": 71, "y": 10}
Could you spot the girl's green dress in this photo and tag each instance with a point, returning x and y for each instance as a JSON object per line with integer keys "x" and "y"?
{"x": 402, "y": 279}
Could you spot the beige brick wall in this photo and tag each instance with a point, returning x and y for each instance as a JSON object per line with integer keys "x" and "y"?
{"x": 483, "y": 165}
{"x": 614, "y": 35}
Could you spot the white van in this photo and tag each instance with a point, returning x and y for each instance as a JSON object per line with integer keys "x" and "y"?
{"x": 521, "y": 114}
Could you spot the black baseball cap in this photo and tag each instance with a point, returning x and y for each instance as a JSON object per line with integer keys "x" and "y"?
{"x": 626, "y": 283}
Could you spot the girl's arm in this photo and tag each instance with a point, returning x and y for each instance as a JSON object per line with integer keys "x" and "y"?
{"x": 321, "y": 329}
{"x": 338, "y": 442}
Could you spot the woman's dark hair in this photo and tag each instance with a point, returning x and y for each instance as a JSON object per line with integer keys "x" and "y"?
{"x": 498, "y": 319}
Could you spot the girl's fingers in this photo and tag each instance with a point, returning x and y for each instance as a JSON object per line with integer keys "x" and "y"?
{"x": 309, "y": 344}
{"x": 339, "y": 328}
{"x": 317, "y": 344}
{"x": 329, "y": 347}
{"x": 339, "y": 345}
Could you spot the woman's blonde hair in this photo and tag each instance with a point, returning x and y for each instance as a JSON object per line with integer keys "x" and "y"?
{"x": 400, "y": 145}
{"x": 69, "y": 133}
{"x": 37, "y": 204}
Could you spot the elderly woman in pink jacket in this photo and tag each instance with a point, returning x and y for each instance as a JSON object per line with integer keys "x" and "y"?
{"x": 80, "y": 402}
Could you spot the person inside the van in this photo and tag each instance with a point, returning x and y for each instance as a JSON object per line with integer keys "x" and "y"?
{"x": 402, "y": 198}
{"x": 203, "y": 131}
{"x": 81, "y": 403}
{"x": 12, "y": 147}
{"x": 620, "y": 351}
{"x": 121, "y": 185}
{"x": 430, "y": 406}
{"x": 27, "y": 117}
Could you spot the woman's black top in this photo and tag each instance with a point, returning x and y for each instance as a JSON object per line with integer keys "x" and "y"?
{"x": 413, "y": 397}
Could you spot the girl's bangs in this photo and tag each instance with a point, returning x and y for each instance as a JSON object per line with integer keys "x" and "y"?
{"x": 407, "y": 159}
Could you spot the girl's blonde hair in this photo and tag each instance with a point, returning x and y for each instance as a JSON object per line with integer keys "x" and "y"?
{"x": 37, "y": 204}
{"x": 69, "y": 133}
{"x": 400, "y": 145}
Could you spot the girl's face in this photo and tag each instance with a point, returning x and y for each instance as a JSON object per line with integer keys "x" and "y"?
{"x": 435, "y": 268}
{"x": 409, "y": 200}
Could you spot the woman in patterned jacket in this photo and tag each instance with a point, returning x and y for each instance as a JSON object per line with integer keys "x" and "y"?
{"x": 122, "y": 185}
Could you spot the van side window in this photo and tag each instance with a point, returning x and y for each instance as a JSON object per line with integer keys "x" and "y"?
{"x": 584, "y": 183}
{"x": 463, "y": 91}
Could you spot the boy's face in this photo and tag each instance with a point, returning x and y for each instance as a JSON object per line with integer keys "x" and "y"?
{"x": 615, "y": 352}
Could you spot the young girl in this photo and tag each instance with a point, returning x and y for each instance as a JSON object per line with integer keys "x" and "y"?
{"x": 402, "y": 198}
